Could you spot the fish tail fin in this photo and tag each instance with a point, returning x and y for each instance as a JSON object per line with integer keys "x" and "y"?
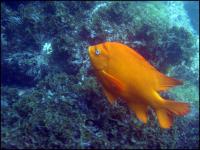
{"x": 177, "y": 108}
{"x": 165, "y": 114}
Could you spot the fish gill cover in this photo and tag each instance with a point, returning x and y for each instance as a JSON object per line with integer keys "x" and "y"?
{"x": 49, "y": 95}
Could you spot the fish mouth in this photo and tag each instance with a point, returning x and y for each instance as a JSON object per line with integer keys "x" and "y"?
{"x": 90, "y": 50}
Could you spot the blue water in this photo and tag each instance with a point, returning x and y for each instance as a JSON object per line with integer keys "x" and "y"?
{"x": 192, "y": 9}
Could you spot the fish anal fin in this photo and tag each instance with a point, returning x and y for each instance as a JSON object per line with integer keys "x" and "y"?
{"x": 111, "y": 98}
{"x": 164, "y": 82}
{"x": 113, "y": 82}
{"x": 140, "y": 111}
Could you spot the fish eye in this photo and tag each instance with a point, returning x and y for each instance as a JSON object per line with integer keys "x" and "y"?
{"x": 97, "y": 52}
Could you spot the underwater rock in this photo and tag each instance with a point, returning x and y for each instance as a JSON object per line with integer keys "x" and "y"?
{"x": 24, "y": 69}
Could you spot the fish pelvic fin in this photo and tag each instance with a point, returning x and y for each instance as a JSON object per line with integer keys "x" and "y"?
{"x": 171, "y": 108}
{"x": 111, "y": 98}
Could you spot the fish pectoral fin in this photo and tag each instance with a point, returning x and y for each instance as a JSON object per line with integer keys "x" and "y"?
{"x": 111, "y": 98}
{"x": 140, "y": 111}
{"x": 165, "y": 82}
{"x": 116, "y": 84}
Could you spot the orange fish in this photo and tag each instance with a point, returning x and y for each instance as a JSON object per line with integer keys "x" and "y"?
{"x": 127, "y": 75}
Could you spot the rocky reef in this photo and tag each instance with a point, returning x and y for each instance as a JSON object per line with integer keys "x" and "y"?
{"x": 49, "y": 95}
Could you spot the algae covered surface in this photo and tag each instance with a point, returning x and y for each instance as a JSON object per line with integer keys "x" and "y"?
{"x": 50, "y": 97}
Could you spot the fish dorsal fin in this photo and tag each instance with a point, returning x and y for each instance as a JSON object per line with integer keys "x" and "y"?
{"x": 113, "y": 82}
{"x": 142, "y": 60}
{"x": 135, "y": 55}
{"x": 111, "y": 98}
{"x": 140, "y": 111}
{"x": 164, "y": 82}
